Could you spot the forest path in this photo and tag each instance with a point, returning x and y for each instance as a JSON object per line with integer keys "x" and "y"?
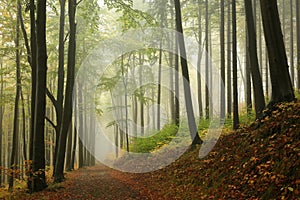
{"x": 98, "y": 182}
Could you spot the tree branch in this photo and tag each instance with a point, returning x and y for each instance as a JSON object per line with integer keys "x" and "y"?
{"x": 25, "y": 36}
{"x": 50, "y": 122}
{"x": 79, "y": 2}
{"x": 65, "y": 40}
{"x": 52, "y": 98}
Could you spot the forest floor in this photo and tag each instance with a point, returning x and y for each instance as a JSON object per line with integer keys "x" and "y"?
{"x": 260, "y": 161}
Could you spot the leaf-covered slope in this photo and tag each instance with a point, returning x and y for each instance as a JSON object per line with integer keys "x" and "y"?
{"x": 256, "y": 162}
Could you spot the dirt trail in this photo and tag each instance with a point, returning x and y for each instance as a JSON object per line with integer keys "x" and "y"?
{"x": 90, "y": 183}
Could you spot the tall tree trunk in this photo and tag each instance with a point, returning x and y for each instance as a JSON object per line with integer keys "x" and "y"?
{"x": 60, "y": 84}
{"x": 222, "y": 42}
{"x": 14, "y": 149}
{"x": 92, "y": 138}
{"x": 229, "y": 85}
{"x": 81, "y": 128}
{"x": 185, "y": 72}
{"x": 125, "y": 83}
{"x": 248, "y": 78}
{"x": 267, "y": 72}
{"x": 171, "y": 60}
{"x": 75, "y": 130}
{"x": 282, "y": 89}
{"x": 260, "y": 47}
{"x": 177, "y": 105}
{"x": 159, "y": 86}
{"x": 38, "y": 160}
{"x": 200, "y": 52}
{"x": 298, "y": 42}
{"x": 234, "y": 68}
{"x": 117, "y": 140}
{"x": 69, "y": 148}
{"x": 23, "y": 124}
{"x": 67, "y": 111}
{"x": 256, "y": 76}
{"x": 292, "y": 69}
{"x": 206, "y": 61}
{"x": 142, "y": 117}
{"x": 33, "y": 63}
{"x": 1, "y": 121}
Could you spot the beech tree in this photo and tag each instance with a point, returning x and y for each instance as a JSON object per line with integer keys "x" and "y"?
{"x": 185, "y": 72}
{"x": 254, "y": 65}
{"x": 67, "y": 111}
{"x": 38, "y": 155}
{"x": 282, "y": 89}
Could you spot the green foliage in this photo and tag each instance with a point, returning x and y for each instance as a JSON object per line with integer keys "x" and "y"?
{"x": 131, "y": 18}
{"x": 148, "y": 144}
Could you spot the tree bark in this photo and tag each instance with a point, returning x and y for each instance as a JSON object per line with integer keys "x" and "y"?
{"x": 229, "y": 56}
{"x": 33, "y": 63}
{"x": 234, "y": 68}
{"x": 38, "y": 160}
{"x": 1, "y": 121}
{"x": 248, "y": 78}
{"x": 67, "y": 111}
{"x": 292, "y": 69}
{"x": 69, "y": 148}
{"x": 199, "y": 84}
{"x": 177, "y": 93}
{"x": 186, "y": 83}
{"x": 60, "y": 84}
{"x": 206, "y": 61}
{"x": 222, "y": 42}
{"x": 254, "y": 66}
{"x": 14, "y": 150}
{"x": 298, "y": 41}
{"x": 282, "y": 89}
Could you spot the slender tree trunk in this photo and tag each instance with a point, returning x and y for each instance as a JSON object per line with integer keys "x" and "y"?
{"x": 14, "y": 149}
{"x": 81, "y": 129}
{"x": 117, "y": 140}
{"x": 177, "y": 105}
{"x": 93, "y": 138}
{"x": 186, "y": 83}
{"x": 67, "y": 112}
{"x": 23, "y": 124}
{"x": 38, "y": 160}
{"x": 248, "y": 78}
{"x": 171, "y": 60}
{"x": 256, "y": 77}
{"x": 298, "y": 42}
{"x": 33, "y": 63}
{"x": 267, "y": 73}
{"x": 223, "y": 63}
{"x": 229, "y": 56}
{"x": 142, "y": 117}
{"x": 60, "y": 83}
{"x": 199, "y": 84}
{"x": 69, "y": 148}
{"x": 292, "y": 69}
{"x": 75, "y": 130}
{"x": 1, "y": 121}
{"x": 282, "y": 89}
{"x": 159, "y": 86}
{"x": 260, "y": 55}
{"x": 206, "y": 61}
{"x": 234, "y": 67}
{"x": 125, "y": 83}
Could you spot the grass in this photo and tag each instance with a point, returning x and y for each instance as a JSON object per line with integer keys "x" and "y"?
{"x": 169, "y": 132}
{"x": 146, "y": 145}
